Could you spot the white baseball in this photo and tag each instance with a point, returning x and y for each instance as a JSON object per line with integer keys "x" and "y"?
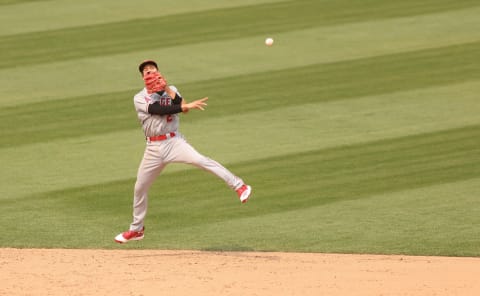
{"x": 269, "y": 42}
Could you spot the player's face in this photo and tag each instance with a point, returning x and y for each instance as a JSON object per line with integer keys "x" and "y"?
{"x": 149, "y": 69}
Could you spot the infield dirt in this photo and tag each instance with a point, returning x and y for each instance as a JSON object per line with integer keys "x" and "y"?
{"x": 155, "y": 272}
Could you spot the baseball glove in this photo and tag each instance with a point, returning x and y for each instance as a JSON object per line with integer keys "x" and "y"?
{"x": 154, "y": 82}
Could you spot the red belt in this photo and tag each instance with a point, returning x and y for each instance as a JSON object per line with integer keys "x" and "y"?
{"x": 161, "y": 137}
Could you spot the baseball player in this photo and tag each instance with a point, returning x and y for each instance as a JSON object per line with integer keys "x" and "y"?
{"x": 158, "y": 107}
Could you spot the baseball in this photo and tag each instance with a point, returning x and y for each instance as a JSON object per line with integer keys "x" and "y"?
{"x": 269, "y": 42}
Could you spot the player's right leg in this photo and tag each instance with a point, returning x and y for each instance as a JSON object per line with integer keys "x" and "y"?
{"x": 148, "y": 171}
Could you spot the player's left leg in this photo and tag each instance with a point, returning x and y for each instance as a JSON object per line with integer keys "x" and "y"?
{"x": 183, "y": 152}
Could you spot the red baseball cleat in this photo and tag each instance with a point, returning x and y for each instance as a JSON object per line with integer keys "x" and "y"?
{"x": 129, "y": 235}
{"x": 244, "y": 193}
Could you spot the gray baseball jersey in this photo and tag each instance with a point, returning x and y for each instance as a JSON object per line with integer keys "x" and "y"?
{"x": 154, "y": 125}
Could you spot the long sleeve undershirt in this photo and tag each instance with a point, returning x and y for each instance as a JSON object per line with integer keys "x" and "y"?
{"x": 158, "y": 109}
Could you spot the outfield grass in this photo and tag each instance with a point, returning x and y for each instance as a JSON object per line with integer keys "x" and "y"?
{"x": 358, "y": 130}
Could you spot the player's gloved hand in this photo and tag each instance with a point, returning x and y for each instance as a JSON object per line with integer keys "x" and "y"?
{"x": 154, "y": 82}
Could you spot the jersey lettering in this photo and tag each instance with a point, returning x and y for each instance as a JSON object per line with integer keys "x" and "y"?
{"x": 165, "y": 101}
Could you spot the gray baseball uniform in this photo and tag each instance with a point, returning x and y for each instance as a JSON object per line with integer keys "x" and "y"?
{"x": 172, "y": 148}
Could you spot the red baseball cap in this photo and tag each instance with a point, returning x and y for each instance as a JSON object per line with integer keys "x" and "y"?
{"x": 146, "y": 62}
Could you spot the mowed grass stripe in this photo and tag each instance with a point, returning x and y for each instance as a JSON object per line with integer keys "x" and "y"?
{"x": 10, "y": 2}
{"x": 91, "y": 12}
{"x": 97, "y": 114}
{"x": 282, "y": 184}
{"x": 221, "y": 24}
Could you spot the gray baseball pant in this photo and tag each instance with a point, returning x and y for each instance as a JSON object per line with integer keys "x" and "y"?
{"x": 157, "y": 155}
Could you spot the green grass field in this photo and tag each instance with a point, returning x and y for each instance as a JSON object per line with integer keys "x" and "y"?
{"x": 359, "y": 130}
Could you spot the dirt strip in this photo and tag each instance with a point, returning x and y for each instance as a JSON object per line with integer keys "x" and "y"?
{"x": 155, "y": 272}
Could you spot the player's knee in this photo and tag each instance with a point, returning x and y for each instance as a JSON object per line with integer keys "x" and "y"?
{"x": 140, "y": 188}
{"x": 200, "y": 161}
